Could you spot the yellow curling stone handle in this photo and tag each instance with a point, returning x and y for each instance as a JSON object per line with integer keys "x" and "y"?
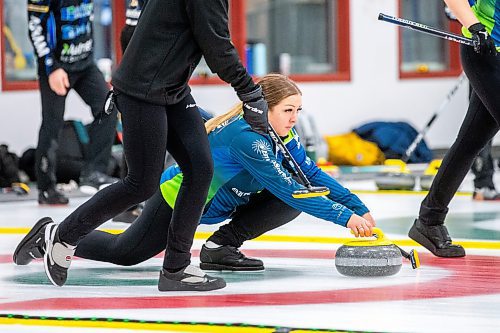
{"x": 379, "y": 240}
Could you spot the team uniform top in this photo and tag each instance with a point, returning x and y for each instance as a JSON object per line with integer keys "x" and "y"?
{"x": 488, "y": 13}
{"x": 61, "y": 33}
{"x": 168, "y": 43}
{"x": 246, "y": 162}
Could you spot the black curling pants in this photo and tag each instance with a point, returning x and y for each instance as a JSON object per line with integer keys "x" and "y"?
{"x": 147, "y": 236}
{"x": 91, "y": 87}
{"x": 481, "y": 123}
{"x": 148, "y": 130}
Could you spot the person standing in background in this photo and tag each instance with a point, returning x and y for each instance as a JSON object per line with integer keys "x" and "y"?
{"x": 481, "y": 64}
{"x": 61, "y": 34}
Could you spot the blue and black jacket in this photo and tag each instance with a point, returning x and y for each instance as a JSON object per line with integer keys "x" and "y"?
{"x": 61, "y": 33}
{"x": 246, "y": 162}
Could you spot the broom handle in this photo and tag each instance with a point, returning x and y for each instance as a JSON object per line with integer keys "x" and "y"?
{"x": 422, "y": 133}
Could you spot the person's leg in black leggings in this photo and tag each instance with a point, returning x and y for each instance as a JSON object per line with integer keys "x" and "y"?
{"x": 144, "y": 239}
{"x": 145, "y": 137}
{"x": 52, "y": 123}
{"x": 264, "y": 212}
{"x": 477, "y": 129}
{"x": 92, "y": 88}
{"x": 481, "y": 123}
{"x": 483, "y": 170}
{"x": 188, "y": 145}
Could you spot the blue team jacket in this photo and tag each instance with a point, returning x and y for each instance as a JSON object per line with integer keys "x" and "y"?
{"x": 246, "y": 162}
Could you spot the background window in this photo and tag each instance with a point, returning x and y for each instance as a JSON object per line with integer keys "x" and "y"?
{"x": 421, "y": 53}
{"x": 306, "y": 39}
{"x": 291, "y": 36}
{"x": 19, "y": 59}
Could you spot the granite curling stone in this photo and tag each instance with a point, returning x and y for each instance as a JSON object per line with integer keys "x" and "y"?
{"x": 395, "y": 176}
{"x": 399, "y": 181}
{"x": 364, "y": 258}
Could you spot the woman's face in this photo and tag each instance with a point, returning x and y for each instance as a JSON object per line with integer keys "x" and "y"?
{"x": 284, "y": 115}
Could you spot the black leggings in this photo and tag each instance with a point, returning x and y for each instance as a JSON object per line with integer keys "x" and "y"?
{"x": 483, "y": 168}
{"x": 92, "y": 88}
{"x": 147, "y": 236}
{"x": 481, "y": 123}
{"x": 145, "y": 140}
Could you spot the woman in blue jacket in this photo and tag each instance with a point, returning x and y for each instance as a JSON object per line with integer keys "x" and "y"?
{"x": 250, "y": 186}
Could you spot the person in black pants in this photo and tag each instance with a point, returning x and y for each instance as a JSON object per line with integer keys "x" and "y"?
{"x": 483, "y": 170}
{"x": 158, "y": 113}
{"x": 68, "y": 64}
{"x": 147, "y": 236}
{"x": 481, "y": 123}
{"x": 132, "y": 15}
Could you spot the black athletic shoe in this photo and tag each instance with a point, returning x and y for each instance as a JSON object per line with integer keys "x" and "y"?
{"x": 52, "y": 197}
{"x": 32, "y": 246}
{"x": 57, "y": 258}
{"x": 228, "y": 258}
{"x": 435, "y": 239}
{"x": 190, "y": 278}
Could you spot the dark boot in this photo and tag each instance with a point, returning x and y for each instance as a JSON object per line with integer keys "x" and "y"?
{"x": 436, "y": 239}
{"x": 228, "y": 258}
{"x": 190, "y": 278}
{"x": 52, "y": 197}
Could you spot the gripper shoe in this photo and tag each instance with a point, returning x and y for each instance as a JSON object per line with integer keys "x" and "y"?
{"x": 190, "y": 278}
{"x": 436, "y": 239}
{"x": 32, "y": 246}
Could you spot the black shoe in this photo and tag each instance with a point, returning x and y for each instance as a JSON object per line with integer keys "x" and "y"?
{"x": 228, "y": 258}
{"x": 435, "y": 239}
{"x": 95, "y": 181}
{"x": 57, "y": 258}
{"x": 129, "y": 215}
{"x": 51, "y": 197}
{"x": 485, "y": 194}
{"x": 190, "y": 278}
{"x": 32, "y": 246}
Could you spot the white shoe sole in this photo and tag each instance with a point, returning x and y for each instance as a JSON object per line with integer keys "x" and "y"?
{"x": 87, "y": 189}
{"x": 50, "y": 232}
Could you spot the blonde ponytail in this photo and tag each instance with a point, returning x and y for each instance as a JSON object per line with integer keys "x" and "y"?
{"x": 216, "y": 121}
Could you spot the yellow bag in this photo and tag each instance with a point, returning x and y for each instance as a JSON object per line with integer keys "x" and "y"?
{"x": 351, "y": 149}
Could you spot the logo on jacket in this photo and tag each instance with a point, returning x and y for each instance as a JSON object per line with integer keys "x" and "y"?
{"x": 262, "y": 147}
{"x": 240, "y": 193}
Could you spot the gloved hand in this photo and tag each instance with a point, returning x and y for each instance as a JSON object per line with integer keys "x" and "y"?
{"x": 255, "y": 110}
{"x": 483, "y": 43}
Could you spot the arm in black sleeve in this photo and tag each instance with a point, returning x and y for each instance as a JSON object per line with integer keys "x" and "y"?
{"x": 210, "y": 26}
{"x": 41, "y": 24}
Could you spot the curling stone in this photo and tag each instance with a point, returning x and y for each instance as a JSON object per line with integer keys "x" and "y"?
{"x": 395, "y": 176}
{"x": 378, "y": 257}
{"x": 428, "y": 177}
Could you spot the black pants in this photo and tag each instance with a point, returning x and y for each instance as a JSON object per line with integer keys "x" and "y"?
{"x": 148, "y": 130}
{"x": 147, "y": 236}
{"x": 481, "y": 123}
{"x": 92, "y": 88}
{"x": 483, "y": 168}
